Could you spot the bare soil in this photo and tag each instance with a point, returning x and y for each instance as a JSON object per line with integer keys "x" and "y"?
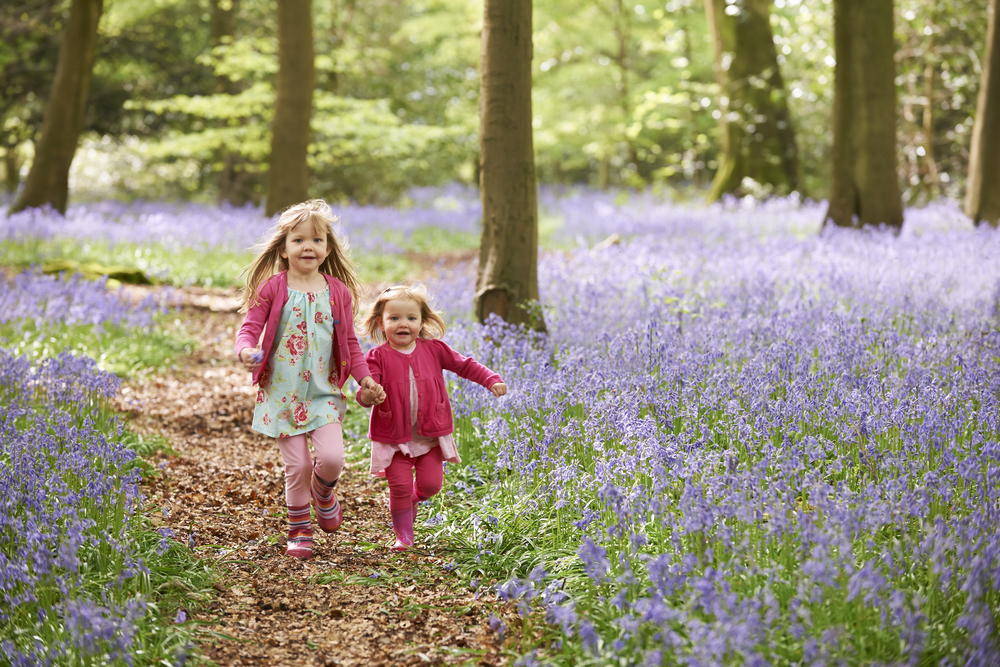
{"x": 355, "y": 602}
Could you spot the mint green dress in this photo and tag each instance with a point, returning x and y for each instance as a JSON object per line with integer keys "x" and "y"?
{"x": 298, "y": 396}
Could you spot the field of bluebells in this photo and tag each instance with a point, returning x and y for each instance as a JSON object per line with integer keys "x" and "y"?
{"x": 195, "y": 244}
{"x": 81, "y": 568}
{"x": 741, "y": 441}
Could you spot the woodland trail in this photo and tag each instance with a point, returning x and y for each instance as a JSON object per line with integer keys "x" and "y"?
{"x": 355, "y": 602}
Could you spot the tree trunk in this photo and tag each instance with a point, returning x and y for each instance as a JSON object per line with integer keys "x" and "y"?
{"x": 507, "y": 282}
{"x": 865, "y": 185}
{"x": 758, "y": 141}
{"x": 48, "y": 180}
{"x": 237, "y": 182}
{"x": 290, "y": 131}
{"x": 12, "y": 167}
{"x": 982, "y": 197}
{"x": 930, "y": 79}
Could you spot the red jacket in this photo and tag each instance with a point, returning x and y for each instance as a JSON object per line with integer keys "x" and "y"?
{"x": 390, "y": 420}
{"x": 266, "y": 313}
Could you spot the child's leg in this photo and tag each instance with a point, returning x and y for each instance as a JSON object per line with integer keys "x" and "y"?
{"x": 328, "y": 445}
{"x": 298, "y": 470}
{"x": 399, "y": 474}
{"x": 429, "y": 477}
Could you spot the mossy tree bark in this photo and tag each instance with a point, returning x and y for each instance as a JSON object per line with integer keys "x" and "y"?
{"x": 757, "y": 138}
{"x": 507, "y": 282}
{"x": 290, "y": 131}
{"x": 865, "y": 184}
{"x": 48, "y": 180}
{"x": 982, "y": 197}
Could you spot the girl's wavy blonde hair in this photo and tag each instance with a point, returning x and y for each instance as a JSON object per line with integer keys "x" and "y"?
{"x": 268, "y": 260}
{"x": 431, "y": 327}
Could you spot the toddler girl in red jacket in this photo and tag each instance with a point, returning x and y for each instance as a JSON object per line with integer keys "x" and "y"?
{"x": 411, "y": 430}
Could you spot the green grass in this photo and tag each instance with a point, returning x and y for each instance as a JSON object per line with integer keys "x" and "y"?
{"x": 209, "y": 267}
{"x": 125, "y": 352}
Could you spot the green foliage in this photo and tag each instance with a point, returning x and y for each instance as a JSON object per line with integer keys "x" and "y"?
{"x": 624, "y": 94}
{"x": 623, "y": 104}
{"x": 124, "y": 352}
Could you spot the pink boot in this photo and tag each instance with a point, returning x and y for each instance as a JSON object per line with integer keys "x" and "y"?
{"x": 415, "y": 501}
{"x": 329, "y": 513}
{"x": 402, "y": 525}
{"x": 300, "y": 542}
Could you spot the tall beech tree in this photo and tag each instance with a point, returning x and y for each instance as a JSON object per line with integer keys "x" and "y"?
{"x": 290, "y": 131}
{"x": 982, "y": 196}
{"x": 865, "y": 185}
{"x": 757, "y": 138}
{"x": 508, "y": 253}
{"x": 48, "y": 180}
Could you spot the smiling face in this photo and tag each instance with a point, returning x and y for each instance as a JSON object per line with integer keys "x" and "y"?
{"x": 305, "y": 249}
{"x": 401, "y": 322}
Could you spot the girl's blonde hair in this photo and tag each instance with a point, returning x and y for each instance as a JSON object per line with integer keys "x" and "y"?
{"x": 268, "y": 260}
{"x": 432, "y": 326}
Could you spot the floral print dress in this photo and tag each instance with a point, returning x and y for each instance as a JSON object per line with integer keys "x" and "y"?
{"x": 296, "y": 395}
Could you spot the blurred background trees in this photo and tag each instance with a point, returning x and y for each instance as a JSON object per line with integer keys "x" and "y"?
{"x": 864, "y": 189}
{"x": 55, "y": 144}
{"x": 507, "y": 275}
{"x": 982, "y": 201}
{"x": 625, "y": 93}
{"x": 756, "y": 136}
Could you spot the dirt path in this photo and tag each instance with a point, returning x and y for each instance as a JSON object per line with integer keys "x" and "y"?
{"x": 355, "y": 602}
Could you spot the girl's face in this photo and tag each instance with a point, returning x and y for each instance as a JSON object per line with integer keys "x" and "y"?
{"x": 305, "y": 249}
{"x": 401, "y": 322}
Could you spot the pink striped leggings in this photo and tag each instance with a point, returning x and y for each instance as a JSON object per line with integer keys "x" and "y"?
{"x": 328, "y": 445}
{"x": 404, "y": 492}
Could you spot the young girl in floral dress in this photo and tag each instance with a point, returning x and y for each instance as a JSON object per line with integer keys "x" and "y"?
{"x": 301, "y": 292}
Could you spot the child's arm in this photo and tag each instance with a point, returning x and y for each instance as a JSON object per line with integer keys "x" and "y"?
{"x": 468, "y": 368}
{"x": 358, "y": 359}
{"x": 371, "y": 392}
{"x": 248, "y": 338}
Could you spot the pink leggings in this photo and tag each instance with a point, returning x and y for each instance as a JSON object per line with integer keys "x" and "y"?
{"x": 328, "y": 444}
{"x": 403, "y": 492}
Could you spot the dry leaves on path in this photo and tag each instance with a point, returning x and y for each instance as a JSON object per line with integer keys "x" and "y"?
{"x": 355, "y": 602}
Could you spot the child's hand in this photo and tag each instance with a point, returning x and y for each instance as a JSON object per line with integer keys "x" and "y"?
{"x": 499, "y": 389}
{"x": 371, "y": 396}
{"x": 371, "y": 392}
{"x": 252, "y": 358}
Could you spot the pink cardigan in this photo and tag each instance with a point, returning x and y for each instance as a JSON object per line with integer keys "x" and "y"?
{"x": 266, "y": 313}
{"x": 390, "y": 421}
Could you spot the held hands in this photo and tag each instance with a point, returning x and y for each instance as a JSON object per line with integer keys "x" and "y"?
{"x": 252, "y": 358}
{"x": 371, "y": 392}
{"x": 499, "y": 389}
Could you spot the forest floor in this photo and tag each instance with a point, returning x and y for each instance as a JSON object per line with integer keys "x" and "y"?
{"x": 355, "y": 602}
